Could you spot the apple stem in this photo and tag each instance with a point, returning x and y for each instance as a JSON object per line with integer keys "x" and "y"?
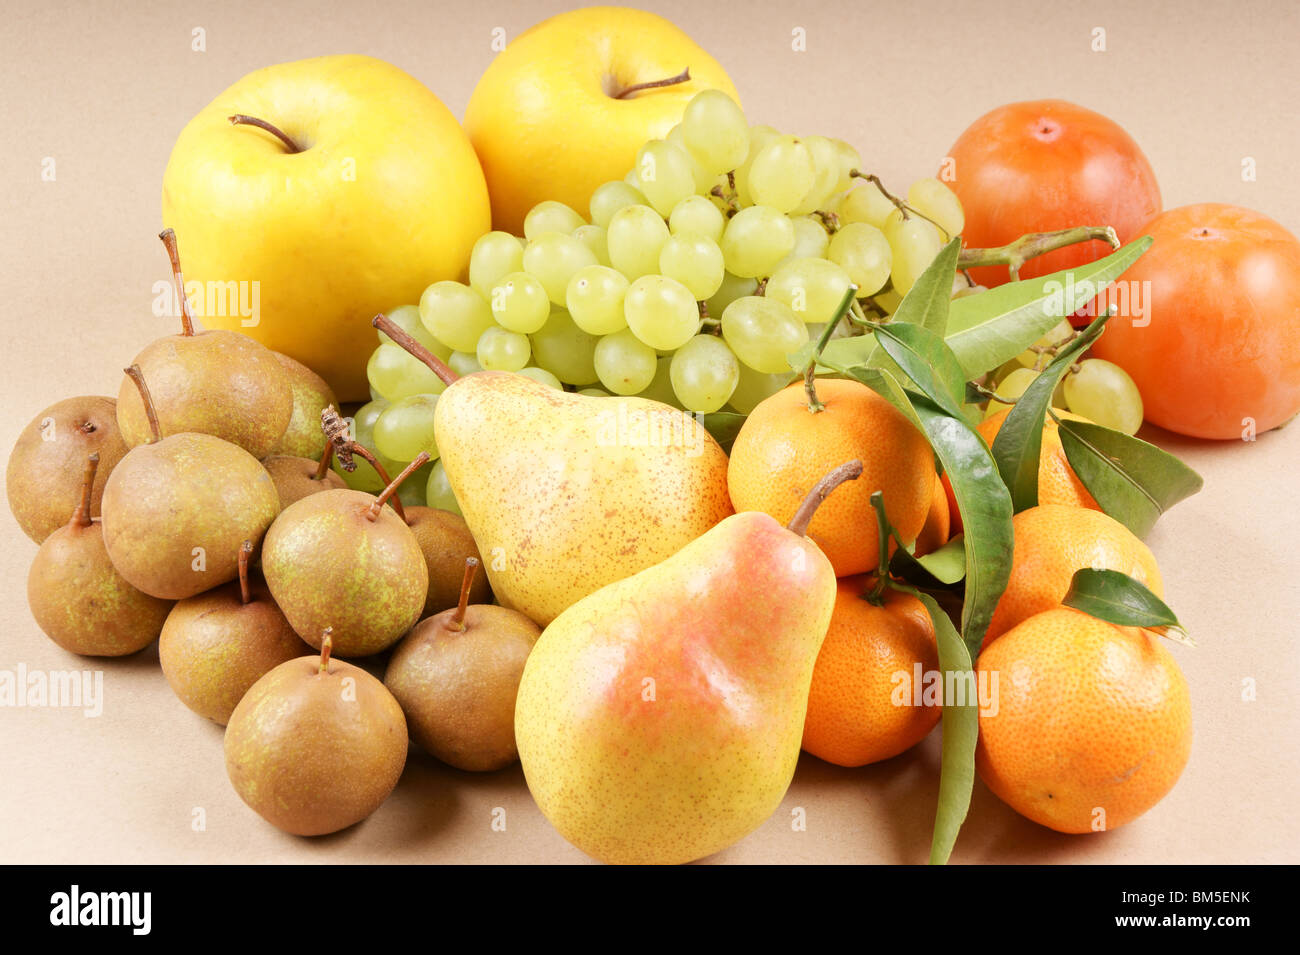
{"x": 245, "y": 554}
{"x": 1015, "y": 254}
{"x": 326, "y": 645}
{"x": 81, "y": 513}
{"x": 393, "y": 485}
{"x": 168, "y": 237}
{"x": 150, "y": 412}
{"x": 239, "y": 119}
{"x": 323, "y": 468}
{"x": 683, "y": 77}
{"x": 457, "y": 621}
{"x": 399, "y": 335}
{"x": 849, "y": 471}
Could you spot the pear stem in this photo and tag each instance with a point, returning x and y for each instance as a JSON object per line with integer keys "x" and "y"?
{"x": 168, "y": 237}
{"x": 323, "y": 468}
{"x": 399, "y": 335}
{"x": 239, "y": 119}
{"x": 150, "y": 412}
{"x": 849, "y": 471}
{"x": 326, "y": 645}
{"x": 245, "y": 555}
{"x": 683, "y": 77}
{"x": 393, "y": 485}
{"x": 457, "y": 621}
{"x": 81, "y": 513}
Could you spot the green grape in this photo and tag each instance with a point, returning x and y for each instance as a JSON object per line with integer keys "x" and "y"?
{"x": 732, "y": 288}
{"x": 889, "y": 300}
{"x": 661, "y": 387}
{"x": 753, "y": 387}
{"x": 715, "y": 131}
{"x": 406, "y": 428}
{"x": 866, "y": 204}
{"x": 695, "y": 261}
{"x": 810, "y": 239}
{"x": 759, "y": 136}
{"x": 696, "y": 215}
{"x": 625, "y": 364}
{"x": 703, "y": 179}
{"x": 437, "y": 491}
{"x": 407, "y": 318}
{"x": 362, "y": 430}
{"x": 863, "y": 252}
{"x": 1010, "y": 388}
{"x": 661, "y": 312}
{"x": 664, "y": 174}
{"x": 541, "y": 376}
{"x": 464, "y": 363}
{"x": 762, "y": 332}
{"x": 520, "y": 303}
{"x": 609, "y": 198}
{"x": 502, "y": 350}
{"x": 594, "y": 392}
{"x": 394, "y": 373}
{"x": 704, "y": 373}
{"x": 551, "y": 216}
{"x": 565, "y": 350}
{"x": 1103, "y": 392}
{"x": 913, "y": 242}
{"x": 932, "y": 199}
{"x": 495, "y": 254}
{"x": 756, "y": 240}
{"x": 593, "y": 237}
{"x": 552, "y": 259}
{"x": 455, "y": 314}
{"x": 634, "y": 238}
{"x": 1058, "y": 335}
{"x": 811, "y": 287}
{"x": 595, "y": 299}
{"x": 826, "y": 168}
{"x": 782, "y": 174}
{"x": 849, "y": 161}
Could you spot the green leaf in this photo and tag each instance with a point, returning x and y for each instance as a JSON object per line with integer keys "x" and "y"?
{"x": 1119, "y": 599}
{"x": 884, "y": 384}
{"x": 926, "y": 303}
{"x": 1133, "y": 481}
{"x": 1020, "y": 439}
{"x": 724, "y": 426}
{"x": 924, "y": 358}
{"x": 992, "y": 327}
{"x": 948, "y": 563}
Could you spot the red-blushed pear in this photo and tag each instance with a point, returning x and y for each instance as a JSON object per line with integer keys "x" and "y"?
{"x": 659, "y": 719}
{"x": 77, "y": 597}
{"x": 566, "y": 492}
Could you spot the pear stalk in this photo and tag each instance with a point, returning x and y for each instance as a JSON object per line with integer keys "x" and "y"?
{"x": 457, "y": 621}
{"x": 391, "y": 489}
{"x": 81, "y": 515}
{"x": 326, "y": 645}
{"x": 848, "y": 471}
{"x": 150, "y": 412}
{"x": 323, "y": 468}
{"x": 399, "y": 335}
{"x": 187, "y": 317}
{"x": 245, "y": 555}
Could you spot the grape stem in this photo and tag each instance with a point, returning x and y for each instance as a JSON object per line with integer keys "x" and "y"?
{"x": 810, "y": 372}
{"x": 900, "y": 204}
{"x": 683, "y": 77}
{"x": 239, "y": 119}
{"x": 1016, "y": 254}
{"x": 399, "y": 335}
{"x": 830, "y": 221}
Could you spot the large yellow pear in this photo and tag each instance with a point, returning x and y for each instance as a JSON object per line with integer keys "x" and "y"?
{"x": 300, "y": 249}
{"x": 659, "y": 720}
{"x": 565, "y": 493}
{"x": 546, "y": 119}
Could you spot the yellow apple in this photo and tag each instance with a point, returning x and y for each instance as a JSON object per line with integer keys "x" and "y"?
{"x": 300, "y": 249}
{"x": 546, "y": 118}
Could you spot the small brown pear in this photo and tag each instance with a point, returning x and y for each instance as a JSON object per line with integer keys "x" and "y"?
{"x": 43, "y": 476}
{"x": 311, "y": 395}
{"x": 446, "y": 543}
{"x": 216, "y": 645}
{"x": 296, "y": 478}
{"x": 316, "y": 745}
{"x": 456, "y": 676}
{"x": 79, "y": 599}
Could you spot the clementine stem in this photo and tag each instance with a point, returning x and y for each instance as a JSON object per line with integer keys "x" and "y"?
{"x": 398, "y": 334}
{"x": 849, "y": 471}
{"x": 1015, "y": 254}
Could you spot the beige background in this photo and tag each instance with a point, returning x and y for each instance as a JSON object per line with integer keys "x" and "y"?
{"x": 105, "y": 88}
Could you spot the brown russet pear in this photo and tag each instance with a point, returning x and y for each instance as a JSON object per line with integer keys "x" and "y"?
{"x": 659, "y": 719}
{"x": 446, "y": 543}
{"x": 316, "y": 745}
{"x": 176, "y": 510}
{"x": 341, "y": 559}
{"x": 456, "y": 676}
{"x": 218, "y": 382}
{"x": 43, "y": 476}
{"x": 79, "y": 599}
{"x": 568, "y": 492}
{"x": 216, "y": 645}
{"x": 296, "y": 477}
{"x": 311, "y": 395}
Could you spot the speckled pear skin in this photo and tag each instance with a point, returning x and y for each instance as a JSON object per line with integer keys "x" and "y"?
{"x": 673, "y": 770}
{"x": 446, "y": 542}
{"x": 217, "y": 382}
{"x": 187, "y": 491}
{"x": 328, "y": 565}
{"x": 561, "y": 497}
{"x": 214, "y": 646}
{"x": 312, "y": 752}
{"x": 295, "y": 478}
{"x": 311, "y": 395}
{"x": 83, "y": 604}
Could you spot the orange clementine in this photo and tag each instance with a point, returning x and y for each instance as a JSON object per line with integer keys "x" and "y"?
{"x": 1057, "y": 482}
{"x": 783, "y": 449}
{"x": 1089, "y": 725}
{"x": 862, "y": 706}
{"x": 935, "y": 532}
{"x": 1052, "y": 541}
{"x": 955, "y": 525}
